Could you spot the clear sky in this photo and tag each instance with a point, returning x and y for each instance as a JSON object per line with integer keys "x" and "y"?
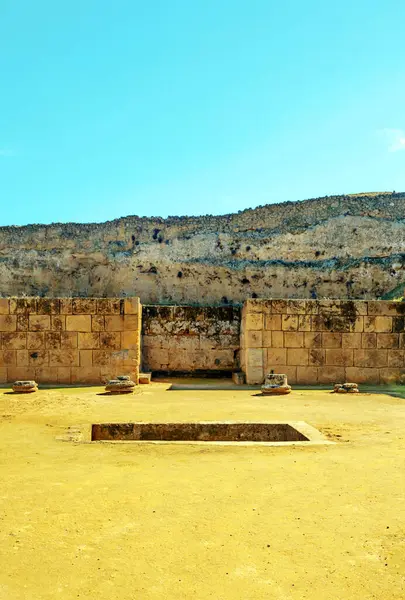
{"x": 163, "y": 107}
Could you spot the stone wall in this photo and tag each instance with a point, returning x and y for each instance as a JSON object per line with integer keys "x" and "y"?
{"x": 65, "y": 340}
{"x": 337, "y": 247}
{"x": 326, "y": 341}
{"x": 190, "y": 340}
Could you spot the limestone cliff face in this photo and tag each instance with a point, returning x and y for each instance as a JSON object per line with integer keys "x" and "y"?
{"x": 337, "y": 247}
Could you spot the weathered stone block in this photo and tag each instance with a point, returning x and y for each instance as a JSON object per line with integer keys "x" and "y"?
{"x": 277, "y": 339}
{"x": 48, "y": 306}
{"x": 63, "y": 375}
{"x": 332, "y": 340}
{"x": 254, "y": 339}
{"x": 8, "y": 323}
{"x": 85, "y": 358}
{"x": 4, "y": 306}
{"x": 254, "y": 322}
{"x": 84, "y": 306}
{"x": 88, "y": 340}
{"x": 132, "y": 306}
{"x": 52, "y": 340}
{"x": 311, "y": 307}
{"x": 296, "y": 307}
{"x": 66, "y": 308}
{"x": 64, "y": 358}
{"x": 266, "y": 338}
{"x": 254, "y": 375}
{"x": 8, "y": 358}
{"x": 275, "y": 357}
{"x": 86, "y": 375}
{"x": 312, "y": 340}
{"x": 3, "y": 375}
{"x": 254, "y": 357}
{"x": 78, "y": 323}
{"x": 289, "y": 322}
{"x": 253, "y": 306}
{"x": 370, "y": 358}
{"x": 362, "y": 375}
{"x": 396, "y": 358}
{"x": 68, "y": 339}
{"x": 304, "y": 322}
{"x": 279, "y": 306}
{"x": 316, "y": 357}
{"x": 273, "y": 322}
{"x": 14, "y": 341}
{"x": 38, "y": 358}
{"x": 339, "y": 357}
{"x": 35, "y": 341}
{"x": 393, "y": 375}
{"x": 307, "y": 375}
{"x": 39, "y": 322}
{"x": 293, "y": 339}
{"x": 23, "y": 305}
{"x": 297, "y": 356}
{"x": 101, "y": 357}
{"x": 22, "y": 358}
{"x": 317, "y": 323}
{"x": 387, "y": 340}
{"x": 383, "y": 307}
{"x": 331, "y": 374}
{"x": 110, "y": 339}
{"x": 97, "y": 323}
{"x": 114, "y": 323}
{"x": 58, "y": 322}
{"x": 351, "y": 340}
{"x": 22, "y": 322}
{"x": 378, "y": 324}
{"x": 369, "y": 340}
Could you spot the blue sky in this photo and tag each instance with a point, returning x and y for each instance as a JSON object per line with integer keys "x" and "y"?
{"x": 111, "y": 108}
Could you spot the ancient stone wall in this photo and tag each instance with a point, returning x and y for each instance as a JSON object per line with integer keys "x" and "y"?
{"x": 187, "y": 339}
{"x": 65, "y": 340}
{"x": 336, "y": 247}
{"x": 326, "y": 341}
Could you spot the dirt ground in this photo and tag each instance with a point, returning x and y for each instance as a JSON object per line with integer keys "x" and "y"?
{"x": 145, "y": 521}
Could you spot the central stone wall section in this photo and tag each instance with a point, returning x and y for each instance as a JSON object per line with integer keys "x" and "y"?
{"x": 325, "y": 341}
{"x": 190, "y": 339}
{"x": 69, "y": 340}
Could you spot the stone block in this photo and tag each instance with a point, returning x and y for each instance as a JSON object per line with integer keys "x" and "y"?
{"x": 63, "y": 375}
{"x": 8, "y": 323}
{"x": 238, "y": 378}
{"x": 316, "y": 357}
{"x": 109, "y": 339}
{"x": 85, "y": 358}
{"x": 101, "y": 357}
{"x": 22, "y": 322}
{"x": 39, "y": 323}
{"x": 312, "y": 339}
{"x": 331, "y": 374}
{"x": 293, "y": 339}
{"x": 362, "y": 375}
{"x": 66, "y": 307}
{"x": 266, "y": 338}
{"x": 20, "y": 373}
{"x": 58, "y": 322}
{"x": 68, "y": 357}
{"x": 360, "y": 306}
{"x": 383, "y": 307}
{"x": 351, "y": 340}
{"x": 114, "y": 323}
{"x": 272, "y": 322}
{"x": 304, "y": 322}
{"x": 132, "y": 306}
{"x": 14, "y": 341}
{"x": 52, "y": 340}
{"x": 275, "y": 357}
{"x": 155, "y": 358}
{"x": 35, "y": 341}
{"x": 84, "y": 306}
{"x": 68, "y": 339}
{"x": 105, "y": 306}
{"x": 370, "y": 358}
{"x": 307, "y": 375}
{"x": 396, "y": 358}
{"x": 331, "y": 340}
{"x": 254, "y": 375}
{"x": 254, "y": 357}
{"x": 38, "y": 358}
{"x": 80, "y": 323}
{"x": 339, "y": 357}
{"x": 254, "y": 339}
{"x": 131, "y": 339}
{"x": 290, "y": 371}
{"x": 357, "y": 325}
{"x": 4, "y": 377}
{"x": 330, "y": 306}
{"x": 277, "y": 339}
{"x": 22, "y": 358}
{"x": 393, "y": 375}
{"x": 4, "y": 306}
{"x": 23, "y": 305}
{"x": 48, "y": 306}
{"x": 88, "y": 340}
{"x": 297, "y": 356}
{"x": 369, "y": 340}
{"x": 289, "y": 322}
{"x": 402, "y": 340}
{"x": 378, "y": 324}
{"x": 279, "y": 306}
{"x": 97, "y": 323}
{"x": 253, "y": 306}
{"x": 318, "y": 323}
{"x": 311, "y": 307}
{"x": 8, "y": 358}
{"x": 387, "y": 340}
{"x": 296, "y": 307}
{"x": 86, "y": 375}
{"x": 254, "y": 322}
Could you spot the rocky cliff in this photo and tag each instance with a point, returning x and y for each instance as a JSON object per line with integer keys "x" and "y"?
{"x": 337, "y": 247}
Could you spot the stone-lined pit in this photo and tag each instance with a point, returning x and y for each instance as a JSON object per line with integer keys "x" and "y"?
{"x": 197, "y": 432}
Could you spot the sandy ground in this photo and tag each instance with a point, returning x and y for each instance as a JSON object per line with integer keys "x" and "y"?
{"x": 129, "y": 521}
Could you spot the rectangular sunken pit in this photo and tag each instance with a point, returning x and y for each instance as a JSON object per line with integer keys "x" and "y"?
{"x": 206, "y": 432}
